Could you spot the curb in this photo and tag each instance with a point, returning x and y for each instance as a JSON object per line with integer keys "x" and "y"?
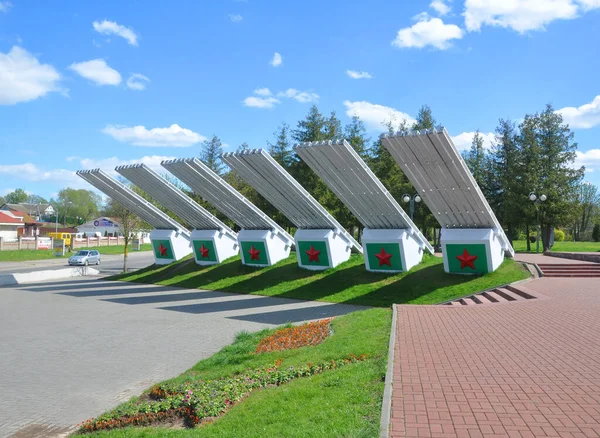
{"x": 57, "y": 274}
{"x": 386, "y": 406}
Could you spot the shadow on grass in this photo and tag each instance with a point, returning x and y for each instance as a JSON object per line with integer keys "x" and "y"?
{"x": 268, "y": 278}
{"x": 297, "y": 315}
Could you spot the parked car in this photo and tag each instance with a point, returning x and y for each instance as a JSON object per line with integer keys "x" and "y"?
{"x": 84, "y": 258}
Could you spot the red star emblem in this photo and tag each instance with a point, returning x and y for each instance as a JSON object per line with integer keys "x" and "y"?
{"x": 254, "y": 253}
{"x": 384, "y": 258}
{"x": 162, "y": 250}
{"x": 466, "y": 260}
{"x": 313, "y": 254}
{"x": 204, "y": 251}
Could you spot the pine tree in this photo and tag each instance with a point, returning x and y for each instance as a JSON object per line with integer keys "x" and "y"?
{"x": 243, "y": 147}
{"x": 210, "y": 154}
{"x": 558, "y": 179}
{"x": 354, "y": 133}
{"x": 281, "y": 150}
{"x": 424, "y": 120}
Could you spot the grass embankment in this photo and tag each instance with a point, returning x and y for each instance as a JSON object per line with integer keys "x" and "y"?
{"x": 44, "y": 254}
{"x": 348, "y": 283}
{"x": 344, "y": 402}
{"x": 521, "y": 246}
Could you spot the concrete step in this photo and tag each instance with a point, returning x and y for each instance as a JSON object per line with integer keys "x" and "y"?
{"x": 495, "y": 296}
{"x": 522, "y": 291}
{"x": 572, "y": 275}
{"x": 482, "y": 299}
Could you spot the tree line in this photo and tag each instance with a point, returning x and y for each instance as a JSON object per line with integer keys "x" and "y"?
{"x": 535, "y": 155}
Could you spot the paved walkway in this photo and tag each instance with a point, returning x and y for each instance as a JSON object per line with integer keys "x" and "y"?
{"x": 542, "y": 259}
{"x": 527, "y": 369}
{"x": 70, "y": 350}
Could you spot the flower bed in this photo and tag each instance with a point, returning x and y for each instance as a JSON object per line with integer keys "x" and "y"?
{"x": 311, "y": 333}
{"x": 198, "y": 401}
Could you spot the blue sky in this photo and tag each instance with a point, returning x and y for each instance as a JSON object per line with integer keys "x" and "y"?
{"x": 98, "y": 84}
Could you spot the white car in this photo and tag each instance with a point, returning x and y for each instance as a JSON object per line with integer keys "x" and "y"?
{"x": 84, "y": 258}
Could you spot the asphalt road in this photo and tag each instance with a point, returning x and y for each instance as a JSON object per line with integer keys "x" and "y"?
{"x": 111, "y": 264}
{"x": 71, "y": 349}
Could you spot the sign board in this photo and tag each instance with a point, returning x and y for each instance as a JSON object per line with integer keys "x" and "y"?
{"x": 135, "y": 245}
{"x": 44, "y": 243}
{"x": 103, "y": 222}
{"x": 58, "y": 247}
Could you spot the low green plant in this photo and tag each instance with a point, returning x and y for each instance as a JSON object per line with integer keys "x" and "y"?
{"x": 195, "y": 401}
{"x": 559, "y": 235}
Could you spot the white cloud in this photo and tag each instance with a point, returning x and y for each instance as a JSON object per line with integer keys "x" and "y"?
{"x": 31, "y": 172}
{"x": 264, "y": 97}
{"x": 375, "y": 116}
{"x": 464, "y": 141}
{"x": 300, "y": 96}
{"x": 112, "y": 28}
{"x": 428, "y": 32}
{"x": 173, "y": 136}
{"x": 277, "y": 60}
{"x": 5, "y": 6}
{"x": 263, "y": 92}
{"x": 590, "y": 159}
{"x": 440, "y": 7}
{"x": 589, "y": 4}
{"x": 98, "y": 71}
{"x": 235, "y": 18}
{"x": 23, "y": 78}
{"x": 260, "y": 102}
{"x": 521, "y": 15}
{"x": 137, "y": 82}
{"x": 585, "y": 116}
{"x": 358, "y": 74}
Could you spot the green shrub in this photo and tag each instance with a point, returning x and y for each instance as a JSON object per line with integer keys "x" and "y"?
{"x": 596, "y": 233}
{"x": 559, "y": 235}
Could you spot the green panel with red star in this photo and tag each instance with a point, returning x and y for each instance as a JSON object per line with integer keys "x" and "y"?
{"x": 162, "y": 249}
{"x": 467, "y": 259}
{"x": 384, "y": 256}
{"x": 254, "y": 253}
{"x": 204, "y": 250}
{"x": 313, "y": 253}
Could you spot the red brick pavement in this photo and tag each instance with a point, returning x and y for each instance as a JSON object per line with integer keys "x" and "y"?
{"x": 523, "y": 369}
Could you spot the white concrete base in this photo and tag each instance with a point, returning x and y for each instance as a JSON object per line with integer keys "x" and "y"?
{"x": 178, "y": 245}
{"x": 272, "y": 247}
{"x": 493, "y": 255}
{"x": 220, "y": 246}
{"x": 33, "y": 277}
{"x": 333, "y": 249}
{"x": 409, "y": 250}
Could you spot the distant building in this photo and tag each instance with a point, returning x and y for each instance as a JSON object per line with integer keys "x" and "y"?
{"x": 10, "y": 225}
{"x": 39, "y": 212}
{"x": 106, "y": 225}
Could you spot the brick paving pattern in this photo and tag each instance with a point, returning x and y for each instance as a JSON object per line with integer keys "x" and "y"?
{"x": 523, "y": 369}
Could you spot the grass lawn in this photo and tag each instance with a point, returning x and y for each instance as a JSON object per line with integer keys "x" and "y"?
{"x": 344, "y": 402}
{"x": 32, "y": 254}
{"x": 521, "y": 246}
{"x": 348, "y": 283}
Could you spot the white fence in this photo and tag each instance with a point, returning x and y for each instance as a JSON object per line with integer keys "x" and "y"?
{"x": 45, "y": 243}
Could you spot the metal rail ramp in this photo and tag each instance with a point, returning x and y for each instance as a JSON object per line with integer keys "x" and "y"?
{"x": 349, "y": 177}
{"x": 259, "y": 232}
{"x": 432, "y": 163}
{"x": 327, "y": 242}
{"x": 170, "y": 239}
{"x": 213, "y": 240}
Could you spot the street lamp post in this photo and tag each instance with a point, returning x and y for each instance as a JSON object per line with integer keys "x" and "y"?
{"x": 412, "y": 199}
{"x": 66, "y": 209}
{"x": 534, "y": 198}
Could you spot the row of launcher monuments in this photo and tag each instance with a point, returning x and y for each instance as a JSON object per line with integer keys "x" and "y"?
{"x": 472, "y": 240}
